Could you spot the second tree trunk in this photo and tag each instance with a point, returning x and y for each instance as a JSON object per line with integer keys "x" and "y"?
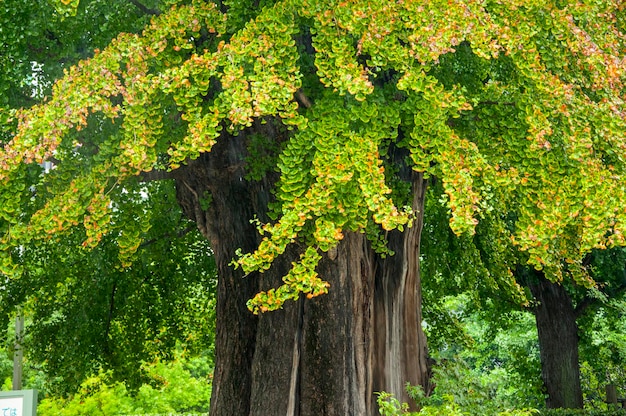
{"x": 558, "y": 343}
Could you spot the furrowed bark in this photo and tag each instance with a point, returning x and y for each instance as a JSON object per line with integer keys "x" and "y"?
{"x": 218, "y": 178}
{"x": 401, "y": 352}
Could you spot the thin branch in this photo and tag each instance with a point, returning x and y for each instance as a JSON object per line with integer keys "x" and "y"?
{"x": 107, "y": 330}
{"x": 511, "y": 103}
{"x": 155, "y": 175}
{"x": 181, "y": 233}
{"x": 144, "y": 9}
{"x": 303, "y": 99}
{"x": 197, "y": 209}
{"x": 588, "y": 301}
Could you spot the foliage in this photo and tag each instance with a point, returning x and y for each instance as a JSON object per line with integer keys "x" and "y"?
{"x": 489, "y": 359}
{"x": 112, "y": 314}
{"x": 173, "y": 390}
{"x": 463, "y": 390}
{"x": 390, "y": 406}
{"x": 526, "y": 115}
{"x": 485, "y": 390}
{"x": 116, "y": 315}
{"x": 38, "y": 43}
{"x": 581, "y": 412}
{"x": 602, "y": 351}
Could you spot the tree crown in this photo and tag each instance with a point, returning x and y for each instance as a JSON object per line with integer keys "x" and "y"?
{"x": 516, "y": 107}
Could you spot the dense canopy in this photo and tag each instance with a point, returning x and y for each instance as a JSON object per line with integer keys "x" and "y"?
{"x": 505, "y": 102}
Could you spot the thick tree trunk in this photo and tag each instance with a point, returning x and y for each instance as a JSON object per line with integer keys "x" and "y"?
{"x": 321, "y": 356}
{"x": 558, "y": 343}
{"x": 216, "y": 181}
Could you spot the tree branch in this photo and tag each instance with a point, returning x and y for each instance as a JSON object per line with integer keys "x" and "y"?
{"x": 179, "y": 234}
{"x": 303, "y": 99}
{"x": 583, "y": 305}
{"x": 588, "y": 301}
{"x": 155, "y": 175}
{"x": 144, "y": 9}
{"x": 107, "y": 330}
{"x": 510, "y": 103}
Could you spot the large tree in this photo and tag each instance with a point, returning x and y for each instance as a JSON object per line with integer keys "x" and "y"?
{"x": 299, "y": 134}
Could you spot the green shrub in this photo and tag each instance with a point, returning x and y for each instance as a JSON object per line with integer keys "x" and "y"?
{"x": 584, "y": 412}
{"x": 390, "y": 406}
{"x": 174, "y": 391}
{"x": 96, "y": 397}
{"x": 444, "y": 406}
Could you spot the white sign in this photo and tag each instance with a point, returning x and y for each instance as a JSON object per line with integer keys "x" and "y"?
{"x": 11, "y": 406}
{"x": 18, "y": 403}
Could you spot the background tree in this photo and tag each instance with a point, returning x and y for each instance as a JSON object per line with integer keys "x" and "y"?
{"x": 357, "y": 108}
{"x": 602, "y": 350}
{"x": 493, "y": 365}
{"x": 39, "y": 41}
{"x": 557, "y": 308}
{"x": 115, "y": 315}
{"x": 475, "y": 267}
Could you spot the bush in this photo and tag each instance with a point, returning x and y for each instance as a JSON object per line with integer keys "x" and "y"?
{"x": 174, "y": 392}
{"x": 584, "y": 412}
{"x": 446, "y": 406}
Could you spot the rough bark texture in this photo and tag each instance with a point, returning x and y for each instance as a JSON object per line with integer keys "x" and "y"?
{"x": 315, "y": 357}
{"x": 558, "y": 344}
{"x": 401, "y": 353}
{"x": 217, "y": 178}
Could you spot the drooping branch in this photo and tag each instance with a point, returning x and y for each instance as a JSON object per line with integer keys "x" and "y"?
{"x": 491, "y": 102}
